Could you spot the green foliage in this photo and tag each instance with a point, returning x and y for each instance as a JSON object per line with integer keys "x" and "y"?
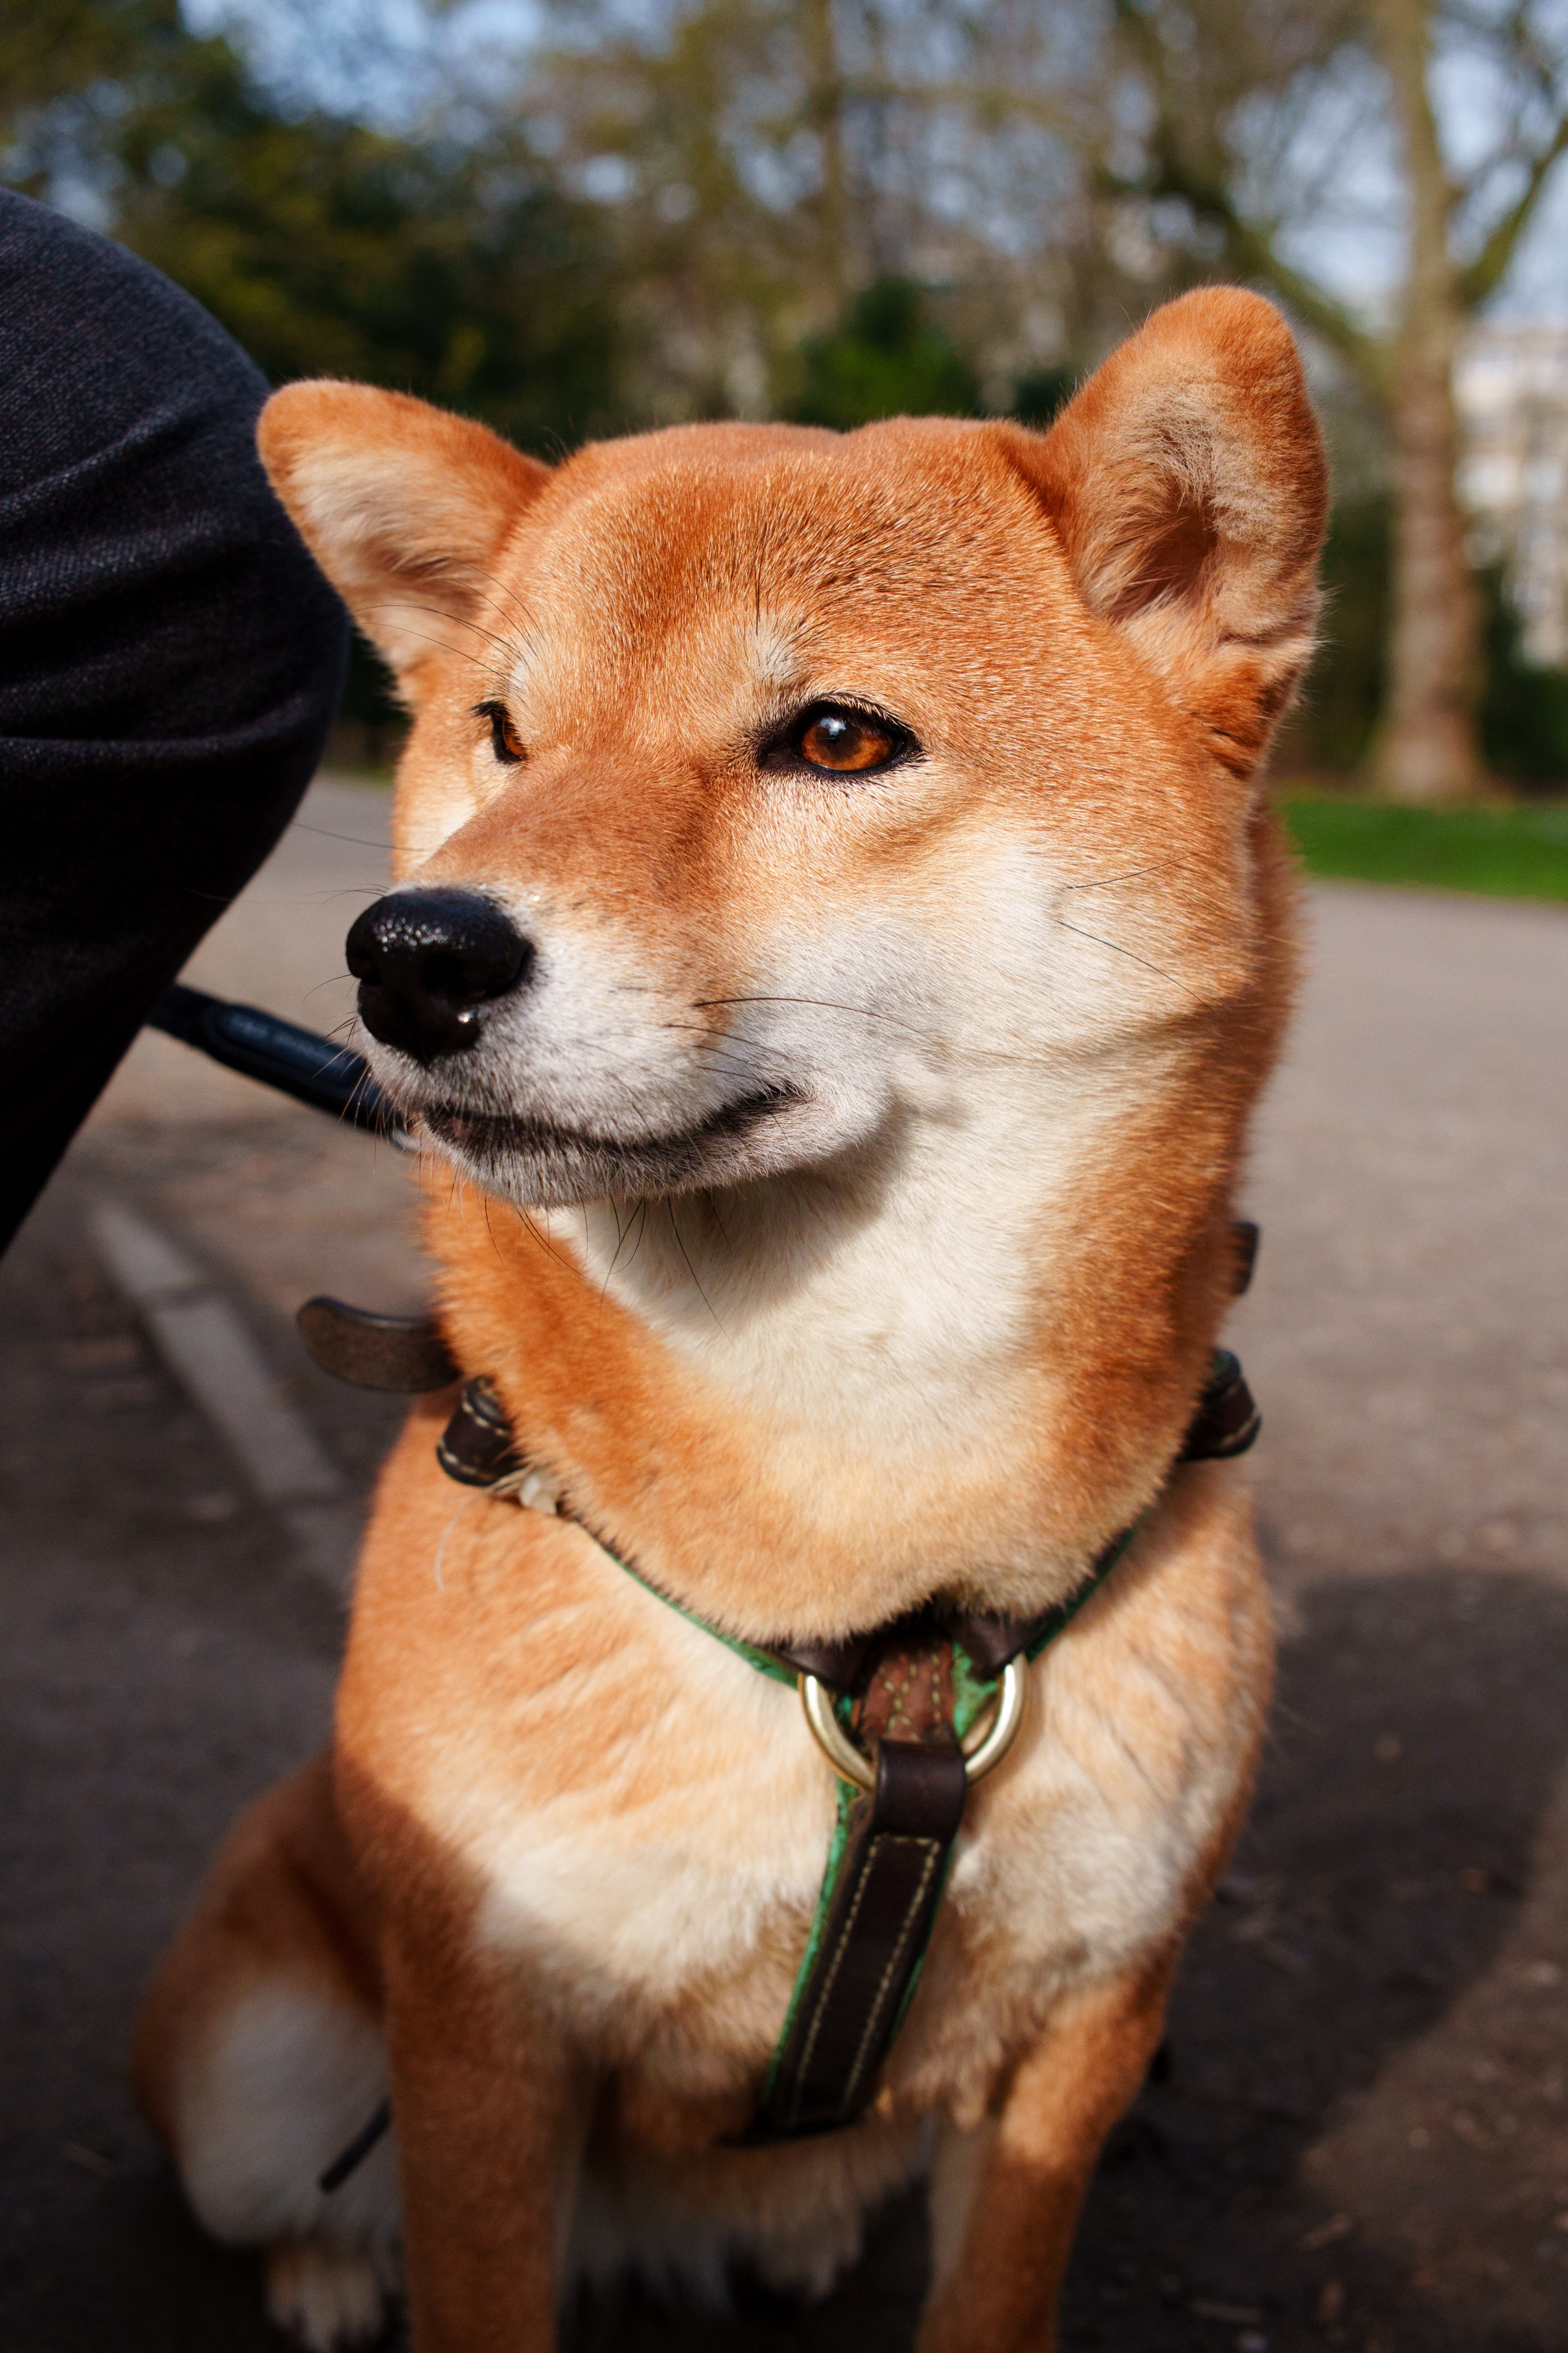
{"x": 887, "y": 358}
{"x": 1517, "y": 854}
{"x": 55, "y": 49}
{"x": 1039, "y": 396}
{"x": 326, "y": 248}
{"x": 1524, "y": 710}
{"x": 1333, "y": 722}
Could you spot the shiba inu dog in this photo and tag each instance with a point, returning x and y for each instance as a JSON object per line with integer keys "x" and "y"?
{"x": 838, "y": 940}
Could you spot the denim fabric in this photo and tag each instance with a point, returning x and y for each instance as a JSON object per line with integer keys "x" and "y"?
{"x": 169, "y": 662}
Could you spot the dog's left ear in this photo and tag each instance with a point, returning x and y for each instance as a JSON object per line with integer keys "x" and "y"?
{"x": 404, "y": 507}
{"x": 1188, "y": 485}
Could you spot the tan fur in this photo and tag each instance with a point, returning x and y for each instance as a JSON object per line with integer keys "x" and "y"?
{"x": 933, "y": 1328}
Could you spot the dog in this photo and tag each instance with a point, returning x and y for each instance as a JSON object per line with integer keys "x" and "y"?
{"x": 838, "y": 939}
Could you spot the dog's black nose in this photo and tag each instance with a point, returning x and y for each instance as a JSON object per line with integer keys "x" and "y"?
{"x": 428, "y": 963}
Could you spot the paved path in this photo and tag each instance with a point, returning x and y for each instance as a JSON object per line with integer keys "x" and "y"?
{"x": 1363, "y": 2139}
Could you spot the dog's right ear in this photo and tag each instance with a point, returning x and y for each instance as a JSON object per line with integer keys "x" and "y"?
{"x": 404, "y": 507}
{"x": 1188, "y": 488}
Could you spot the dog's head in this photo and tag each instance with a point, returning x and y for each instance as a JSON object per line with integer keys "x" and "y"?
{"x": 764, "y": 784}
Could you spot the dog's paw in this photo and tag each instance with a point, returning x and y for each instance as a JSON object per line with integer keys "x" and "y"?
{"x": 326, "y": 2296}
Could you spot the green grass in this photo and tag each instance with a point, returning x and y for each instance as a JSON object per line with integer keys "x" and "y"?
{"x": 1507, "y": 853}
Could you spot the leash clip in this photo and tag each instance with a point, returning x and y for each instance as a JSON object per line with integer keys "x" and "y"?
{"x": 851, "y": 1762}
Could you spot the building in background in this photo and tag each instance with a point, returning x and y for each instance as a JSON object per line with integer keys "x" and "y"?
{"x": 1511, "y": 388}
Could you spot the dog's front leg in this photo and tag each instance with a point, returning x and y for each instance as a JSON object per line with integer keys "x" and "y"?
{"x": 490, "y": 2104}
{"x": 1005, "y": 2200}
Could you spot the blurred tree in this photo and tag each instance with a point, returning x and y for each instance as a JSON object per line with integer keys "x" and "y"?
{"x": 452, "y": 268}
{"x": 644, "y": 122}
{"x": 1041, "y": 393}
{"x": 326, "y": 248}
{"x": 63, "y": 65}
{"x": 767, "y": 161}
{"x": 837, "y": 209}
{"x": 55, "y": 49}
{"x": 1238, "y": 95}
{"x": 886, "y": 359}
{"x": 1332, "y": 725}
{"x": 1524, "y": 709}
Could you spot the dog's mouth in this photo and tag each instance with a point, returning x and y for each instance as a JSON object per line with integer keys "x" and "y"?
{"x": 533, "y": 1160}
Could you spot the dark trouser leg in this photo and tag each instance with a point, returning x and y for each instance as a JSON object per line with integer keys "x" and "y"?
{"x": 169, "y": 662}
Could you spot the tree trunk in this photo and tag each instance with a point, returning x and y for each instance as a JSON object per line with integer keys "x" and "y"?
{"x": 825, "y": 112}
{"x": 1427, "y": 747}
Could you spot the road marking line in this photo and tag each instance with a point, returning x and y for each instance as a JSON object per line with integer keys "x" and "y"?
{"x": 223, "y": 1371}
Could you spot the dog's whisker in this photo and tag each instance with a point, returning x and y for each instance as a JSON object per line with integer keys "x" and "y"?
{"x": 622, "y": 1230}
{"x": 691, "y": 1270}
{"x": 1132, "y": 874}
{"x": 325, "y": 833}
{"x": 1113, "y": 945}
{"x": 481, "y": 572}
{"x": 457, "y": 653}
{"x": 461, "y": 621}
{"x": 948, "y": 1048}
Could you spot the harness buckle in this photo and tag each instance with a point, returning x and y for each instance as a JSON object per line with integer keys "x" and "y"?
{"x": 851, "y": 1762}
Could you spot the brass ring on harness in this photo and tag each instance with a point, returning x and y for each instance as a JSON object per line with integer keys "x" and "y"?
{"x": 845, "y": 1757}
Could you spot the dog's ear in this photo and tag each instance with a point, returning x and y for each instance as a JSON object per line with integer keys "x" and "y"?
{"x": 1189, "y": 489}
{"x": 404, "y": 507}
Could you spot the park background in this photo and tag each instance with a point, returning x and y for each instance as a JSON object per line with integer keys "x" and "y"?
{"x": 574, "y": 217}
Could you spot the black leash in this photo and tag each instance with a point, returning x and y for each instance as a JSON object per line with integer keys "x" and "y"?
{"x": 298, "y": 1062}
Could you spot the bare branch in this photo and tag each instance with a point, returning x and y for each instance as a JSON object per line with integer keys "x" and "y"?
{"x": 1252, "y": 252}
{"x": 1485, "y": 273}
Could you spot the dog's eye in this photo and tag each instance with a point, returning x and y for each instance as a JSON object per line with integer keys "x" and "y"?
{"x": 505, "y": 740}
{"x": 838, "y": 741}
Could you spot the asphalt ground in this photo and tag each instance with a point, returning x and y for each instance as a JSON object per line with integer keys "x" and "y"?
{"x": 1362, "y": 2136}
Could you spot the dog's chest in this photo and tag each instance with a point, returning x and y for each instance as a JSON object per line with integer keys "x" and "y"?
{"x": 665, "y": 1896}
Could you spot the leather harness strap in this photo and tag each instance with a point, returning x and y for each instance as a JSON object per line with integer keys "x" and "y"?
{"x": 910, "y": 1691}
{"x": 403, "y": 1354}
{"x": 878, "y": 1904}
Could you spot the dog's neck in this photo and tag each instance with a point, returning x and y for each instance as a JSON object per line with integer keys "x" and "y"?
{"x": 880, "y": 1302}
{"x": 957, "y": 1361}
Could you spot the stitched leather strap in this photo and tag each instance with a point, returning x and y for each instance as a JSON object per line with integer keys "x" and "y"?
{"x": 874, "y": 1924}
{"x": 477, "y": 1447}
{"x": 1226, "y": 1421}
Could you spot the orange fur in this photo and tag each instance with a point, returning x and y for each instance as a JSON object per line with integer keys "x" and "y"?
{"x": 932, "y": 1331}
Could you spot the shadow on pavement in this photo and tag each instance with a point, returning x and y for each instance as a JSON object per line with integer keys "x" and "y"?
{"x": 1364, "y": 2038}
